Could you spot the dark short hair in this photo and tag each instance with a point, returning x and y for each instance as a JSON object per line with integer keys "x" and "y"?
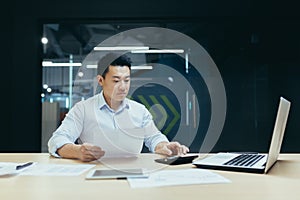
{"x": 113, "y": 59}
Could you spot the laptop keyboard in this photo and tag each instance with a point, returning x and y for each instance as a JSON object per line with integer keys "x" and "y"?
{"x": 245, "y": 160}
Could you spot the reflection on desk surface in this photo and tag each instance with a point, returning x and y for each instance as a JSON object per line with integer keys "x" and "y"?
{"x": 286, "y": 168}
{"x": 282, "y": 182}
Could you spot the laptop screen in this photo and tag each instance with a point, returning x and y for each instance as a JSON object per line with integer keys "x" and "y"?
{"x": 278, "y": 132}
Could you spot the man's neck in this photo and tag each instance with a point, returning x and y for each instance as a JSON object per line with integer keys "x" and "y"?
{"x": 111, "y": 103}
{"x": 115, "y": 105}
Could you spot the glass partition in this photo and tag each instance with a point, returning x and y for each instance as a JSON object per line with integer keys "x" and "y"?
{"x": 171, "y": 72}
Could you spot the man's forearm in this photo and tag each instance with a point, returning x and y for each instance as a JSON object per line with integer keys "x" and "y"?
{"x": 69, "y": 151}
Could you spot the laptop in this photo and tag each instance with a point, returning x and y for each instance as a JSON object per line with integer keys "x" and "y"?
{"x": 251, "y": 162}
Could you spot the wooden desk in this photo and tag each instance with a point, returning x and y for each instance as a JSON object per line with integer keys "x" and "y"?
{"x": 282, "y": 182}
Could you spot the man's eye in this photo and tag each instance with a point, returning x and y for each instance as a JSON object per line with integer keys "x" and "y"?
{"x": 127, "y": 80}
{"x": 116, "y": 81}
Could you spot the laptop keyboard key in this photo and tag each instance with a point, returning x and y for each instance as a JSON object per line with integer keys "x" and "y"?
{"x": 244, "y": 160}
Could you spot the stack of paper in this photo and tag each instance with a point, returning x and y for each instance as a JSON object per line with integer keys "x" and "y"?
{"x": 177, "y": 177}
{"x": 36, "y": 169}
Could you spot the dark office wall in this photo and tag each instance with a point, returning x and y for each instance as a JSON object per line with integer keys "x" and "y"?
{"x": 6, "y": 66}
{"x": 254, "y": 78}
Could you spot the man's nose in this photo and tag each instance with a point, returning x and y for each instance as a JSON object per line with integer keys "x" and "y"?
{"x": 122, "y": 85}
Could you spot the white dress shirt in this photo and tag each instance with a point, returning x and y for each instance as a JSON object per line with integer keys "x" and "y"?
{"x": 93, "y": 121}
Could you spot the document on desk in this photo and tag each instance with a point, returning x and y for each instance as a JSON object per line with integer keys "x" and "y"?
{"x": 10, "y": 168}
{"x": 177, "y": 177}
{"x": 57, "y": 169}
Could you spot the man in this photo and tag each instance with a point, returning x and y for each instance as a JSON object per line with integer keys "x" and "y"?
{"x": 97, "y": 117}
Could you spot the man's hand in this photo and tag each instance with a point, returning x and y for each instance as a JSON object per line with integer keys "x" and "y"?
{"x": 84, "y": 152}
{"x": 89, "y": 152}
{"x": 171, "y": 148}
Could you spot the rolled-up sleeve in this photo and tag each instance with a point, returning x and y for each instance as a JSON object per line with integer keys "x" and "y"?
{"x": 67, "y": 132}
{"x": 152, "y": 135}
{"x": 153, "y": 140}
{"x": 57, "y": 141}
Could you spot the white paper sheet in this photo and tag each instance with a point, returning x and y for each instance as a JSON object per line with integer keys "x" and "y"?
{"x": 177, "y": 177}
{"x": 57, "y": 169}
{"x": 9, "y": 168}
{"x": 120, "y": 143}
{"x": 126, "y": 140}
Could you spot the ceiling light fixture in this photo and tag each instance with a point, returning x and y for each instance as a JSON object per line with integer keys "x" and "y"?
{"x": 134, "y": 67}
{"x": 52, "y": 64}
{"x": 121, "y": 48}
{"x": 159, "y": 51}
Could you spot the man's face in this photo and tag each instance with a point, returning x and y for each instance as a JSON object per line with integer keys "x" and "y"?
{"x": 116, "y": 83}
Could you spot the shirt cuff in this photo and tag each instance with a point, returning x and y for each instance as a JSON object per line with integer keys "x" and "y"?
{"x": 152, "y": 141}
{"x": 53, "y": 145}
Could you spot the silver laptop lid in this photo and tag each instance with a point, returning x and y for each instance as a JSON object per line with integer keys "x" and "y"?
{"x": 278, "y": 132}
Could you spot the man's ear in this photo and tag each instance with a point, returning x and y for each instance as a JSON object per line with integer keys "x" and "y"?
{"x": 100, "y": 79}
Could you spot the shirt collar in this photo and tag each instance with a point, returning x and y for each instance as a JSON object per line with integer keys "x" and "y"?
{"x": 103, "y": 104}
